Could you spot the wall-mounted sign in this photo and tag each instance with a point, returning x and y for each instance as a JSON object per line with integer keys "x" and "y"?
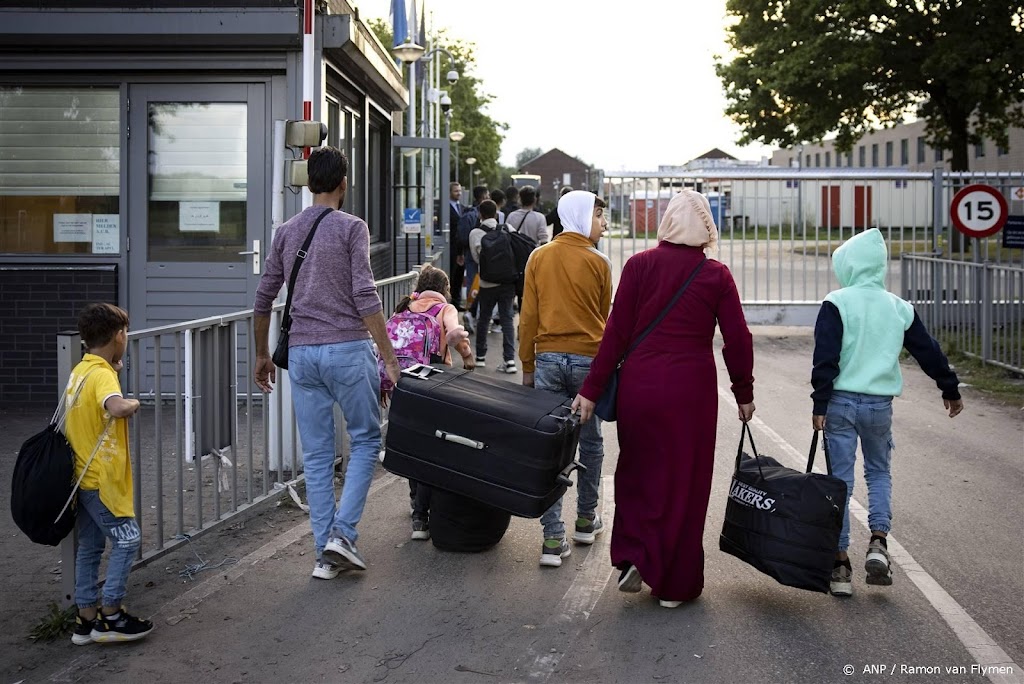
{"x": 72, "y": 227}
{"x": 199, "y": 217}
{"x": 1013, "y": 232}
{"x": 106, "y": 234}
{"x": 978, "y": 211}
{"x": 412, "y": 221}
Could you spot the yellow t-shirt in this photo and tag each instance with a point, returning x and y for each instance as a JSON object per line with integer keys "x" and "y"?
{"x": 111, "y": 469}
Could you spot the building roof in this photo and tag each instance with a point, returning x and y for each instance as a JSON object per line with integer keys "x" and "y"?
{"x": 556, "y": 156}
{"x": 715, "y": 153}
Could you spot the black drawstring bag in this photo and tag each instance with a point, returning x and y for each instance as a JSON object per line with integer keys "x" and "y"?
{"x": 783, "y": 522}
{"x": 43, "y": 486}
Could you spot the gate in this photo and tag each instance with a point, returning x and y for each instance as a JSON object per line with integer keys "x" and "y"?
{"x": 779, "y": 226}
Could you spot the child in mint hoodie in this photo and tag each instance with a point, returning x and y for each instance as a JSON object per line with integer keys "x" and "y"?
{"x": 860, "y": 331}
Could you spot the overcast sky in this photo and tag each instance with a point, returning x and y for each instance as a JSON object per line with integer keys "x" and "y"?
{"x": 625, "y": 85}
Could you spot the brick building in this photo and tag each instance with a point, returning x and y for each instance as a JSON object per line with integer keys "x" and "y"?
{"x": 556, "y": 169}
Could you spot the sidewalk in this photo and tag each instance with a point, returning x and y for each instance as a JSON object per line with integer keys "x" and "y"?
{"x": 421, "y": 615}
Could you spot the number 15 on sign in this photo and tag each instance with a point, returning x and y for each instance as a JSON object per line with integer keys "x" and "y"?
{"x": 978, "y": 211}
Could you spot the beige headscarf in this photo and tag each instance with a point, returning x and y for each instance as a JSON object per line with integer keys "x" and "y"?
{"x": 687, "y": 221}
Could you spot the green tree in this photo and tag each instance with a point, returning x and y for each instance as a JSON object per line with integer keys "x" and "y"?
{"x": 469, "y": 102}
{"x": 804, "y": 69}
{"x": 526, "y": 155}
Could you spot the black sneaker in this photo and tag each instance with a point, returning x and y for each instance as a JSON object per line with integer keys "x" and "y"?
{"x": 630, "y": 580}
{"x": 877, "y": 562}
{"x": 343, "y": 553}
{"x": 420, "y": 529}
{"x": 83, "y": 631}
{"x": 119, "y": 627}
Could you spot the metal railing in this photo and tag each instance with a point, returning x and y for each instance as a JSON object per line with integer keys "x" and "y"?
{"x": 975, "y": 308}
{"x": 207, "y": 445}
{"x": 779, "y": 226}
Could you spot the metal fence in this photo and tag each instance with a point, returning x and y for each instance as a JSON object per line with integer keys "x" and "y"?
{"x": 975, "y": 308}
{"x": 206, "y": 445}
{"x": 779, "y": 226}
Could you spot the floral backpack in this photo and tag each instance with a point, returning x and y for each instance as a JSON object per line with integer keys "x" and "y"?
{"x": 416, "y": 338}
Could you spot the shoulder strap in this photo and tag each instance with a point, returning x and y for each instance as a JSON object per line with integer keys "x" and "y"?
{"x": 526, "y": 215}
{"x": 61, "y": 414}
{"x": 300, "y": 256}
{"x": 78, "y": 483}
{"x": 664, "y": 312}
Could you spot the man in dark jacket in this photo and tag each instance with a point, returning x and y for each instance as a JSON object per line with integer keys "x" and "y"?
{"x": 456, "y": 260}
{"x": 470, "y": 220}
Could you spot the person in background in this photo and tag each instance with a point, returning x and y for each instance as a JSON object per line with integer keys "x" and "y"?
{"x": 456, "y": 256}
{"x": 527, "y": 221}
{"x": 491, "y": 295}
{"x": 554, "y": 223}
{"x": 668, "y": 399}
{"x": 471, "y": 220}
{"x": 860, "y": 332}
{"x": 511, "y": 199}
{"x": 566, "y": 298}
{"x": 498, "y": 197}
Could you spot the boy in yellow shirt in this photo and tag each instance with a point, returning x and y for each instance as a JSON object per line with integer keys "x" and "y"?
{"x": 97, "y": 427}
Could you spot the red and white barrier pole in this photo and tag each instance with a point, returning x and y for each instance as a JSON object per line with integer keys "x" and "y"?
{"x": 308, "y": 71}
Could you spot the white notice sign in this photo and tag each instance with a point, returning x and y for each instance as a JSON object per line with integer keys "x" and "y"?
{"x": 106, "y": 234}
{"x": 199, "y": 217}
{"x": 72, "y": 227}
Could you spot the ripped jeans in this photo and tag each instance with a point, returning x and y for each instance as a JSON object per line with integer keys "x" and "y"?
{"x": 852, "y": 415}
{"x": 96, "y": 524}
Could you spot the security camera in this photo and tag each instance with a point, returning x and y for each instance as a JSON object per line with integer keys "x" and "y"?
{"x": 446, "y": 103}
{"x": 453, "y": 77}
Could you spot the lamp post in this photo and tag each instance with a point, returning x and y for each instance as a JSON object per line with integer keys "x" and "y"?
{"x": 456, "y": 137}
{"x": 469, "y": 162}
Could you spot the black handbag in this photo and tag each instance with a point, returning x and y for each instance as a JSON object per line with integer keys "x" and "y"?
{"x": 606, "y": 407}
{"x": 784, "y": 522}
{"x": 280, "y": 356}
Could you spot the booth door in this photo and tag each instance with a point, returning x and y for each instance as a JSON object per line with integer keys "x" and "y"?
{"x": 196, "y": 200}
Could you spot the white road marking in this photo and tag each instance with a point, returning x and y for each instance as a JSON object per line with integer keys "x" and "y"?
{"x": 572, "y": 612}
{"x": 979, "y": 644}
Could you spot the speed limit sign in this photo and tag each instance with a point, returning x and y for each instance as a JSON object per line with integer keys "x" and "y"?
{"x": 978, "y": 210}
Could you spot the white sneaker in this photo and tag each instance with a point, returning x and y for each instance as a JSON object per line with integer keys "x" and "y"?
{"x": 669, "y": 604}
{"x": 325, "y": 571}
{"x": 508, "y": 367}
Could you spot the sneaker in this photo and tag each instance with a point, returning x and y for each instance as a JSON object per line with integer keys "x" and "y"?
{"x": 481, "y": 362}
{"x": 508, "y": 367}
{"x": 842, "y": 579}
{"x": 83, "y": 631}
{"x": 877, "y": 562}
{"x": 494, "y": 329}
{"x": 669, "y": 604}
{"x": 553, "y": 551}
{"x": 119, "y": 627}
{"x": 469, "y": 322}
{"x": 420, "y": 529}
{"x": 630, "y": 580}
{"x": 325, "y": 571}
{"x": 587, "y": 529}
{"x": 343, "y": 553}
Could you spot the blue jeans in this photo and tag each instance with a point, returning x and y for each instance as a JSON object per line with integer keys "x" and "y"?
{"x": 850, "y": 415}
{"x": 323, "y": 375}
{"x": 96, "y": 525}
{"x": 564, "y": 374}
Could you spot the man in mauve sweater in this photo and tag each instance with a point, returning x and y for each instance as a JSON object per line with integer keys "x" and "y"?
{"x": 566, "y": 300}
{"x": 335, "y": 313}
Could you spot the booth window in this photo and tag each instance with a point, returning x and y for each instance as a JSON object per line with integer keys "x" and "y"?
{"x": 60, "y": 164}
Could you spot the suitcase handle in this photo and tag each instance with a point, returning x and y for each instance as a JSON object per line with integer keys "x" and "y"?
{"x": 459, "y": 439}
{"x": 563, "y": 477}
{"x": 421, "y": 371}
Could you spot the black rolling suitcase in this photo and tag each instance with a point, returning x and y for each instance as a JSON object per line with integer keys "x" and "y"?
{"x": 502, "y": 444}
{"x": 784, "y": 522}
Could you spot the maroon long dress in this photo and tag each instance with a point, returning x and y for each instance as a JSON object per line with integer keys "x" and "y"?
{"x": 668, "y": 410}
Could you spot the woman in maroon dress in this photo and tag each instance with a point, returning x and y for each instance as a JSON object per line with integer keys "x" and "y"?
{"x": 668, "y": 400}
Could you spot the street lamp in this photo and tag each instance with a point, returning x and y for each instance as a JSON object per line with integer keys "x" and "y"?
{"x": 456, "y": 137}
{"x": 469, "y": 162}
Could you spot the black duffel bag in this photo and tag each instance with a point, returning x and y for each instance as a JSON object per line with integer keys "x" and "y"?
{"x": 783, "y": 522}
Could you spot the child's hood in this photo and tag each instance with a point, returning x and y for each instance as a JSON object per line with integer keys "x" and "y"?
{"x": 862, "y": 260}
{"x": 426, "y": 301}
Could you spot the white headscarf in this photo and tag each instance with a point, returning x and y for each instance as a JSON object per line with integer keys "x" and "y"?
{"x": 576, "y": 212}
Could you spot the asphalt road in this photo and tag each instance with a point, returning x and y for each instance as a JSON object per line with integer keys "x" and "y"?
{"x": 422, "y": 615}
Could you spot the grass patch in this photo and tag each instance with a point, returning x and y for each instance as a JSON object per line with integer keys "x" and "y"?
{"x": 1000, "y": 384}
{"x": 56, "y": 623}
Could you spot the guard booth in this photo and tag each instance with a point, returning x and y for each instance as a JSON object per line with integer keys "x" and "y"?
{"x": 420, "y": 185}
